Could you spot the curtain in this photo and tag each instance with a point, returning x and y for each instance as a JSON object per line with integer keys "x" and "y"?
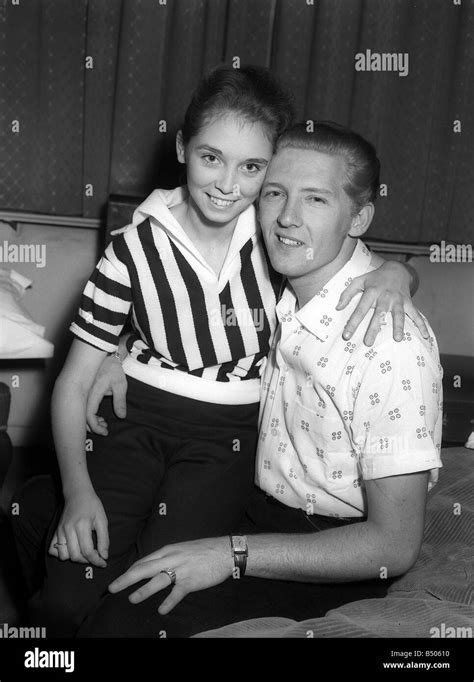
{"x": 88, "y": 132}
{"x": 41, "y": 117}
{"x": 56, "y": 115}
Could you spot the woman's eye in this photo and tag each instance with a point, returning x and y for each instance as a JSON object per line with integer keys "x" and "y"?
{"x": 210, "y": 158}
{"x": 252, "y": 168}
{"x": 272, "y": 194}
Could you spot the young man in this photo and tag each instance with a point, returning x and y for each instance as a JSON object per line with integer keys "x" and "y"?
{"x": 349, "y": 436}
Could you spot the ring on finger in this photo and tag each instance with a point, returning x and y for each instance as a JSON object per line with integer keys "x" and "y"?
{"x": 171, "y": 575}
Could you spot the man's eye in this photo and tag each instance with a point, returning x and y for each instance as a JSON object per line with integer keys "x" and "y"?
{"x": 317, "y": 200}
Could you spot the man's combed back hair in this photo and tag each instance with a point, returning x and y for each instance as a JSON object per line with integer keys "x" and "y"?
{"x": 362, "y": 165}
{"x": 251, "y": 93}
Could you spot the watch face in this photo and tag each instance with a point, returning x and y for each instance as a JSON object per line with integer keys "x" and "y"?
{"x": 239, "y": 543}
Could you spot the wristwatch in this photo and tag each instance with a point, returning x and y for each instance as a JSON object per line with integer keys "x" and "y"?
{"x": 240, "y": 552}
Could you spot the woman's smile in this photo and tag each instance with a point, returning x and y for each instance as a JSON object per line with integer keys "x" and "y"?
{"x": 219, "y": 203}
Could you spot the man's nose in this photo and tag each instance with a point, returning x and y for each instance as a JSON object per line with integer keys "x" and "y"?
{"x": 290, "y": 215}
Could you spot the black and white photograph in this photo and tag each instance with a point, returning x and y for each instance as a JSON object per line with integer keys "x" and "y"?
{"x": 236, "y": 333}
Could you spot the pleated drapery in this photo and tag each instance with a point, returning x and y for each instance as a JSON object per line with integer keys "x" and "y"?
{"x": 98, "y": 89}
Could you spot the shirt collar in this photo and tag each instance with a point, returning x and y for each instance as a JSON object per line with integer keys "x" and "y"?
{"x": 319, "y": 315}
{"x": 157, "y": 205}
{"x": 159, "y": 202}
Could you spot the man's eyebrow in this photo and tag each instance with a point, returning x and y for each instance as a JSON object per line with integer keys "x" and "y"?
{"x": 218, "y": 152}
{"x": 315, "y": 190}
{"x": 273, "y": 184}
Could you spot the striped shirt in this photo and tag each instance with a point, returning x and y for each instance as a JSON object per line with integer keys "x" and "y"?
{"x": 195, "y": 333}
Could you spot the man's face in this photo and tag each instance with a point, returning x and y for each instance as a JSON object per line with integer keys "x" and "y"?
{"x": 304, "y": 211}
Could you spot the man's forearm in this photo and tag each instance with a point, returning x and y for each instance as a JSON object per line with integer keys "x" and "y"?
{"x": 358, "y": 551}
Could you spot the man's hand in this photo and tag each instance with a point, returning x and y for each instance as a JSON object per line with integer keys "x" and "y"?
{"x": 198, "y": 564}
{"x": 110, "y": 380}
{"x": 387, "y": 289}
{"x": 83, "y": 513}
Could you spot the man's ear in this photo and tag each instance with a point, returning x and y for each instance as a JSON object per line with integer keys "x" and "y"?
{"x": 180, "y": 149}
{"x": 361, "y": 222}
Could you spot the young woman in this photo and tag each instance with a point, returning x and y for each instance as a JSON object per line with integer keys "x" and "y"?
{"x": 192, "y": 273}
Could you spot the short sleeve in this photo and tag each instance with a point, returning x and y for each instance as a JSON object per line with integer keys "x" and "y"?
{"x": 106, "y": 300}
{"x": 398, "y": 409}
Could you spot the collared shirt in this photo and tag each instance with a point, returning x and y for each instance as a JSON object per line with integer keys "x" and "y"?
{"x": 336, "y": 413}
{"x": 197, "y": 334}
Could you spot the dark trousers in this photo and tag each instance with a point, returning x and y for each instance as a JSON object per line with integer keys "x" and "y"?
{"x": 235, "y": 599}
{"x": 175, "y": 469}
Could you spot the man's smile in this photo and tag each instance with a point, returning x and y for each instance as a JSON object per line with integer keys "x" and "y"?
{"x": 289, "y": 241}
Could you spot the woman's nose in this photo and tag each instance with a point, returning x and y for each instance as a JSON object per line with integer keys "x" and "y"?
{"x": 225, "y": 183}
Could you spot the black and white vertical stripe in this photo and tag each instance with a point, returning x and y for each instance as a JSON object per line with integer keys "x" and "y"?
{"x": 183, "y": 320}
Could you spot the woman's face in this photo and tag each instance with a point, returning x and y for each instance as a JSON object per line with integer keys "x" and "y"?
{"x": 226, "y": 163}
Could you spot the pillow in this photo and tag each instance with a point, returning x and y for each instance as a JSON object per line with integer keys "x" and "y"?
{"x": 20, "y": 336}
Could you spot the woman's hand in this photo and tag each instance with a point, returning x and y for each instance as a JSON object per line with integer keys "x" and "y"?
{"x": 110, "y": 380}
{"x": 83, "y": 513}
{"x": 198, "y": 564}
{"x": 386, "y": 289}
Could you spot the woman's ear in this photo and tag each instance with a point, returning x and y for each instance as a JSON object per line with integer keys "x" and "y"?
{"x": 361, "y": 222}
{"x": 180, "y": 149}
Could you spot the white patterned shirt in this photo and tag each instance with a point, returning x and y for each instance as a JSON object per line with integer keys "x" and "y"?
{"x": 334, "y": 413}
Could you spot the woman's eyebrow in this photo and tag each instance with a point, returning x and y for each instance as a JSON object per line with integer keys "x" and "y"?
{"x": 218, "y": 152}
{"x": 206, "y": 147}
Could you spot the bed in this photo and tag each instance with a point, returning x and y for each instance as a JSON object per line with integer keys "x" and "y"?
{"x": 20, "y": 337}
{"x": 434, "y": 599}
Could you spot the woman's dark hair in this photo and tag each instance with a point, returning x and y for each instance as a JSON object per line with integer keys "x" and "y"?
{"x": 251, "y": 92}
{"x": 362, "y": 165}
